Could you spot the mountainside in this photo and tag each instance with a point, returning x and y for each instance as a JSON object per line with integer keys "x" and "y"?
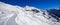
{"x": 16, "y": 15}
{"x": 55, "y": 11}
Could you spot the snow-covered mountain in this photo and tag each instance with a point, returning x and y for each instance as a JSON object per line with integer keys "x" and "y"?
{"x": 16, "y": 15}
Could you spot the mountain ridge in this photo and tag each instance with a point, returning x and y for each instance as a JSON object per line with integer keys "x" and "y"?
{"x": 29, "y": 15}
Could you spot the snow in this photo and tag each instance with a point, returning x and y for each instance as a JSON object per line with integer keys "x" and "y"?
{"x": 16, "y": 15}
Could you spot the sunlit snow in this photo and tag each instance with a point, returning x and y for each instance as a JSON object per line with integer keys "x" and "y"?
{"x": 16, "y": 15}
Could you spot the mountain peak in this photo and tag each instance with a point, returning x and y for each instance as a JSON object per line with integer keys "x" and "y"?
{"x": 28, "y": 15}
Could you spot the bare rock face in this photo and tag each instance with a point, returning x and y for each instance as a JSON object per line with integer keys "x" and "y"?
{"x": 16, "y": 15}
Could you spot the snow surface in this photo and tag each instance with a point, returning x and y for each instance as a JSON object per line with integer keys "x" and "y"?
{"x": 16, "y": 15}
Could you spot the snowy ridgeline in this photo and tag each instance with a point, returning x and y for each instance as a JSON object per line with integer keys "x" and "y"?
{"x": 16, "y": 15}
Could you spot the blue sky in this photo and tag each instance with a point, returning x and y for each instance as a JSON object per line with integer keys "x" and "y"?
{"x": 42, "y": 4}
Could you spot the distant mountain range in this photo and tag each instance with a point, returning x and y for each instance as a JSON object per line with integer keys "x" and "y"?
{"x": 56, "y": 12}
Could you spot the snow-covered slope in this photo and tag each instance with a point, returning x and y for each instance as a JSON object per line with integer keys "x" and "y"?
{"x": 25, "y": 16}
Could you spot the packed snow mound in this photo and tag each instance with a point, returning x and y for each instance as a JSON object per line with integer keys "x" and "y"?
{"x": 26, "y": 16}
